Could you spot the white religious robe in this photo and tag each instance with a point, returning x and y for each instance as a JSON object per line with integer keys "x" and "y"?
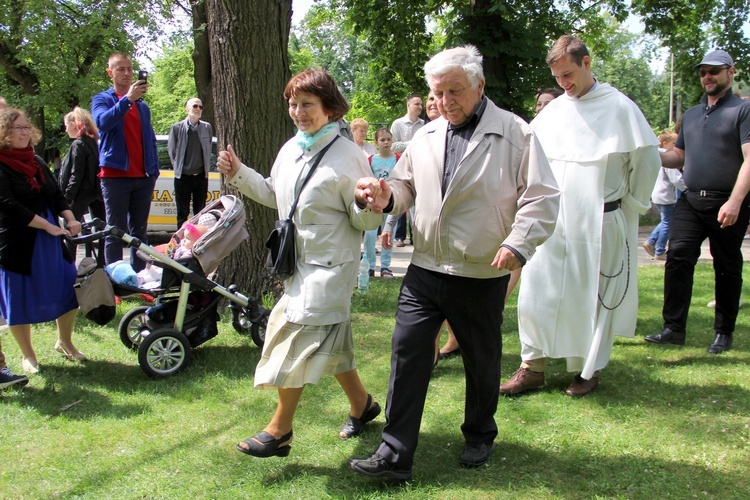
{"x": 581, "y": 287}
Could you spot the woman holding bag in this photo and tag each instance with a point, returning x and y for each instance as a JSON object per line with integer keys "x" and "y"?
{"x": 309, "y": 331}
{"x": 37, "y": 272}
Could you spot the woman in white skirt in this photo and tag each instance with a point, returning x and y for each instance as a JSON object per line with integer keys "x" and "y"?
{"x": 309, "y": 331}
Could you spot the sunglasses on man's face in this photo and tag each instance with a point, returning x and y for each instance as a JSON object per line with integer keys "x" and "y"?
{"x": 712, "y": 71}
{"x": 197, "y": 106}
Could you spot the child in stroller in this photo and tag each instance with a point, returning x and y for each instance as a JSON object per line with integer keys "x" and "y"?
{"x": 185, "y": 315}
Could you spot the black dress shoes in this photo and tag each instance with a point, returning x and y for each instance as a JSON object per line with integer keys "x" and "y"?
{"x": 475, "y": 454}
{"x": 721, "y": 343}
{"x": 377, "y": 466}
{"x": 667, "y": 336}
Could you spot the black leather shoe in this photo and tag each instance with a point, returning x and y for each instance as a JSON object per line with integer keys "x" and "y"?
{"x": 476, "y": 454}
{"x": 721, "y": 343}
{"x": 377, "y": 466}
{"x": 667, "y": 336}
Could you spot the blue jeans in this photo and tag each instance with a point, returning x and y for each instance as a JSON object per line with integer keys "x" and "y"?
{"x": 660, "y": 235}
{"x": 385, "y": 254}
{"x": 127, "y": 201}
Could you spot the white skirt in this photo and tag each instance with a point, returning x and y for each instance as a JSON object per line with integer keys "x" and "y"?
{"x": 294, "y": 355}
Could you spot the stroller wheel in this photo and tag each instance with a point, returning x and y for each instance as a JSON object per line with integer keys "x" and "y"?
{"x": 258, "y": 330}
{"x": 132, "y": 326}
{"x": 164, "y": 352}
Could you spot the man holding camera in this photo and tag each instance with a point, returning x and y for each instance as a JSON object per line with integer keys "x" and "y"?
{"x": 189, "y": 148}
{"x": 127, "y": 155}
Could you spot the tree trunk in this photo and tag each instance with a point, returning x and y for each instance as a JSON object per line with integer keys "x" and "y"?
{"x": 202, "y": 59}
{"x": 249, "y": 69}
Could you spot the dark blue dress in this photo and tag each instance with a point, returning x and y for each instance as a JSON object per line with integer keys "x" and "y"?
{"x": 48, "y": 292}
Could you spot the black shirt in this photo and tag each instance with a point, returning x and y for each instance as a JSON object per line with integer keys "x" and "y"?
{"x": 712, "y": 138}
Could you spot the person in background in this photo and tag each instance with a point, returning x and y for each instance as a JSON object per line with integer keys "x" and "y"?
{"x": 79, "y": 180}
{"x": 546, "y": 96}
{"x": 7, "y": 377}
{"x": 37, "y": 272}
{"x": 581, "y": 290}
{"x": 664, "y": 197}
{"x": 189, "y": 148}
{"x": 127, "y": 156}
{"x": 403, "y": 129}
{"x": 309, "y": 331}
{"x": 359, "y": 128}
{"x": 382, "y": 164}
{"x": 473, "y": 224}
{"x": 713, "y": 145}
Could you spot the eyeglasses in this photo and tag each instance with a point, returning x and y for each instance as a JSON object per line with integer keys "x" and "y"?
{"x": 712, "y": 71}
{"x": 197, "y": 106}
{"x": 19, "y": 130}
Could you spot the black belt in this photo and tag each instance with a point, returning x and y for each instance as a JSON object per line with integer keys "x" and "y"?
{"x": 611, "y": 206}
{"x": 708, "y": 194}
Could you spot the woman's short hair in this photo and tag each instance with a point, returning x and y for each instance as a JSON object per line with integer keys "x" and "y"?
{"x": 466, "y": 57}
{"x": 318, "y": 82}
{"x": 359, "y": 123}
{"x": 8, "y": 117}
{"x": 80, "y": 115}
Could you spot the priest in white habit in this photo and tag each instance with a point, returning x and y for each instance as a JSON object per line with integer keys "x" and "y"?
{"x": 581, "y": 289}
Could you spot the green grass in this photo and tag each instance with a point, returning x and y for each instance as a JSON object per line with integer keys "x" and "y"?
{"x": 666, "y": 421}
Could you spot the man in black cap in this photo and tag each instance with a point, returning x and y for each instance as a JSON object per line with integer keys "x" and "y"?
{"x": 714, "y": 147}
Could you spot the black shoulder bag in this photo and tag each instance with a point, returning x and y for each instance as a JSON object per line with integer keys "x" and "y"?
{"x": 282, "y": 256}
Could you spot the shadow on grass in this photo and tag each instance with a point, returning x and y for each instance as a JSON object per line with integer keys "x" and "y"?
{"x": 516, "y": 471}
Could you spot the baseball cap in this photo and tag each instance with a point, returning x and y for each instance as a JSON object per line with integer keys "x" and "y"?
{"x": 716, "y": 58}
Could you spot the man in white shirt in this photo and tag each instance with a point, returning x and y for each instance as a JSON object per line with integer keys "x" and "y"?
{"x": 404, "y": 128}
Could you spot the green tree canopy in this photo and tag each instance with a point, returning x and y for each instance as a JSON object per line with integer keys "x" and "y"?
{"x": 53, "y": 52}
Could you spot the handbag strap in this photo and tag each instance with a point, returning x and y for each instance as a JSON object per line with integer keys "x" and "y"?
{"x": 309, "y": 174}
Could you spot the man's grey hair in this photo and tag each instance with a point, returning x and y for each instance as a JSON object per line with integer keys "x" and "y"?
{"x": 466, "y": 57}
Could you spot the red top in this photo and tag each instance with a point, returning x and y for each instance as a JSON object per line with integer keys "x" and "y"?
{"x": 134, "y": 143}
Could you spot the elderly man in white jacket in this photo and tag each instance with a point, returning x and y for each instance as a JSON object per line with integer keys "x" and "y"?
{"x": 484, "y": 199}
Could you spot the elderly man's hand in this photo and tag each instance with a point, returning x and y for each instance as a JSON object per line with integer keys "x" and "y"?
{"x": 372, "y": 193}
{"x": 505, "y": 259}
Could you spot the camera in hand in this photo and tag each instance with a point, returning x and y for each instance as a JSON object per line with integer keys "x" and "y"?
{"x": 143, "y": 75}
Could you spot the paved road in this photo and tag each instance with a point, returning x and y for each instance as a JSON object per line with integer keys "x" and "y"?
{"x": 402, "y": 256}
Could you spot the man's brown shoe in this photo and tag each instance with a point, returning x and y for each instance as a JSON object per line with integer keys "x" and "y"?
{"x": 521, "y": 381}
{"x": 581, "y": 386}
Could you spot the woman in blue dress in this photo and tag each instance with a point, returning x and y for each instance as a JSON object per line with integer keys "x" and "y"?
{"x": 37, "y": 273}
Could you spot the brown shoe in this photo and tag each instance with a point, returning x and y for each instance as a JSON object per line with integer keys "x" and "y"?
{"x": 521, "y": 381}
{"x": 581, "y": 386}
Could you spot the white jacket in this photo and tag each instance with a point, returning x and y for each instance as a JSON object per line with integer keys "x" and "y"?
{"x": 503, "y": 192}
{"x": 328, "y": 224}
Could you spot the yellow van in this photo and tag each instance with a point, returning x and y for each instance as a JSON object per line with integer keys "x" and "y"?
{"x": 163, "y": 213}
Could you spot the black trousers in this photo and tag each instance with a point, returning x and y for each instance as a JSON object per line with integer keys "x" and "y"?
{"x": 186, "y": 187}
{"x": 474, "y": 309}
{"x": 693, "y": 221}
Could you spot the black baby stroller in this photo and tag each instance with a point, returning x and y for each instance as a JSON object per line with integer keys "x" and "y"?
{"x": 185, "y": 313}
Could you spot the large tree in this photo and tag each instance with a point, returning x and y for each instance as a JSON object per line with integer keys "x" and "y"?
{"x": 53, "y": 52}
{"x": 250, "y": 67}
